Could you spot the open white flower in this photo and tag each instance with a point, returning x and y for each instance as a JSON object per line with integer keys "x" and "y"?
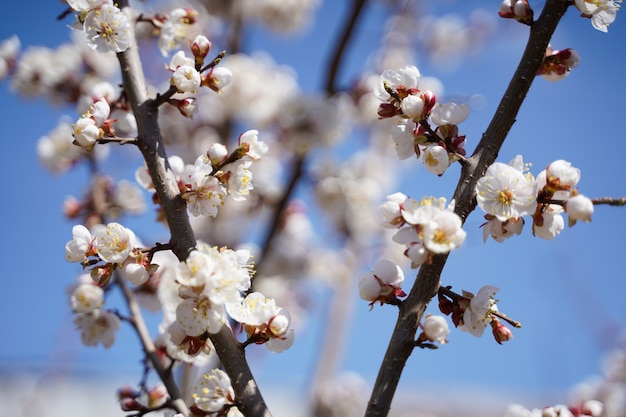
{"x": 407, "y": 77}
{"x": 114, "y": 243}
{"x": 601, "y": 12}
{"x": 444, "y": 233}
{"x": 478, "y": 314}
{"x": 97, "y": 326}
{"x": 450, "y": 113}
{"x": 253, "y": 147}
{"x": 87, "y": 298}
{"x": 213, "y": 391}
{"x": 107, "y": 29}
{"x": 77, "y": 248}
{"x": 506, "y": 192}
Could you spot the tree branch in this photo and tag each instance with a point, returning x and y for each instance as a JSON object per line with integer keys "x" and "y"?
{"x": 342, "y": 44}
{"x": 183, "y": 240}
{"x": 427, "y": 280}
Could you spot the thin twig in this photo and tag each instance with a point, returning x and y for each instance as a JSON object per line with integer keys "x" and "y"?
{"x": 149, "y": 348}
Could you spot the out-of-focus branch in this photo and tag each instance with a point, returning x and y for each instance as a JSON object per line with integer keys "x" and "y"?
{"x": 182, "y": 241}
{"x": 149, "y": 348}
{"x": 609, "y": 201}
{"x": 427, "y": 282}
{"x": 341, "y": 45}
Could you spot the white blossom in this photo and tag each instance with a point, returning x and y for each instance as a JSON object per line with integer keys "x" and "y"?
{"x": 107, "y": 29}
{"x": 197, "y": 315}
{"x": 407, "y": 77}
{"x": 114, "y": 243}
{"x": 86, "y": 132}
{"x": 56, "y": 151}
{"x": 478, "y": 314}
{"x": 81, "y": 243}
{"x": 213, "y": 391}
{"x": 391, "y": 210}
{"x": 436, "y": 328}
{"x": 204, "y": 193}
{"x": 551, "y": 223}
{"x": 84, "y": 5}
{"x": 450, "y": 113}
{"x": 506, "y": 192}
{"x": 403, "y": 138}
{"x": 444, "y": 233}
{"x": 86, "y": 298}
{"x": 601, "y": 12}
{"x": 97, "y": 326}
{"x": 186, "y": 79}
{"x": 413, "y": 106}
{"x": 436, "y": 159}
{"x": 384, "y": 280}
{"x": 255, "y": 148}
{"x": 135, "y": 273}
{"x": 579, "y": 207}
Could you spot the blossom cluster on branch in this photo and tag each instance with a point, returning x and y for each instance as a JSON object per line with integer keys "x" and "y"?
{"x": 242, "y": 240}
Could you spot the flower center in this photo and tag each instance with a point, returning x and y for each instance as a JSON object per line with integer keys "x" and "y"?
{"x": 505, "y": 197}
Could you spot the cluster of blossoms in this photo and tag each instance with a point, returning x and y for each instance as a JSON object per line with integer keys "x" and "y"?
{"x": 384, "y": 285}
{"x": 601, "y": 12}
{"x": 507, "y": 193}
{"x": 425, "y": 227}
{"x": 413, "y": 135}
{"x": 214, "y": 176}
{"x": 210, "y": 288}
{"x": 113, "y": 244}
{"x": 107, "y": 28}
{"x": 591, "y": 408}
{"x": 187, "y": 71}
{"x": 93, "y": 125}
{"x": 108, "y": 248}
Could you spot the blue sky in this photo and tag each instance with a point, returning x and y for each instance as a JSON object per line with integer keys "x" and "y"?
{"x": 568, "y": 293}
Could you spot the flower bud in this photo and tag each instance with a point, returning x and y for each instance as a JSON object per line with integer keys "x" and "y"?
{"x": 436, "y": 328}
{"x": 579, "y": 207}
{"x": 200, "y": 47}
{"x": 500, "y": 332}
{"x": 436, "y": 159}
{"x": 413, "y": 106}
{"x": 135, "y": 273}
{"x": 187, "y": 106}
{"x": 217, "y": 153}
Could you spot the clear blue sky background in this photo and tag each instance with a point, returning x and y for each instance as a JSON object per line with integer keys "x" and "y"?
{"x": 568, "y": 293}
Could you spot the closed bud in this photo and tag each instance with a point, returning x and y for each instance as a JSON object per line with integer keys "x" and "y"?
{"x": 200, "y": 47}
{"x": 500, "y": 332}
{"x": 580, "y": 208}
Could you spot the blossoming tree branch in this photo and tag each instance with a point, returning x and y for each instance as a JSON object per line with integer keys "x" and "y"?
{"x": 211, "y": 286}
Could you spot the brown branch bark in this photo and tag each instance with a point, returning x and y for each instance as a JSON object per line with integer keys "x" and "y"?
{"x": 182, "y": 241}
{"x": 427, "y": 281}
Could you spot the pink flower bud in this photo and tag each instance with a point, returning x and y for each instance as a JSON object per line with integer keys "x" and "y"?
{"x": 500, "y": 332}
